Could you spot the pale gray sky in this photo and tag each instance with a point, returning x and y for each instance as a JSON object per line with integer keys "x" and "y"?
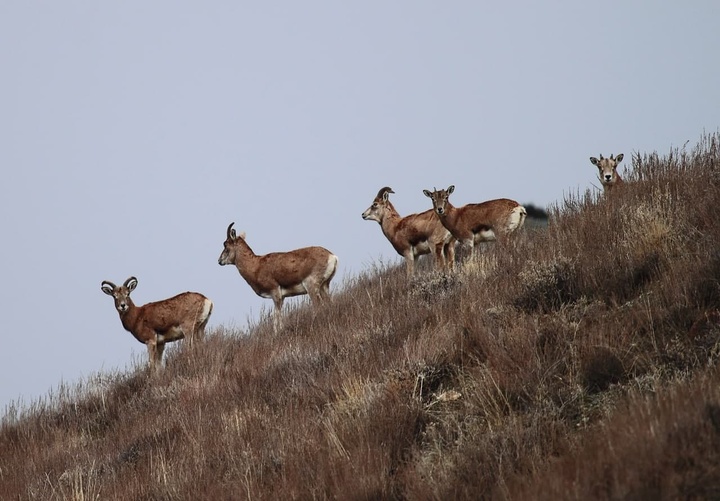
{"x": 134, "y": 132}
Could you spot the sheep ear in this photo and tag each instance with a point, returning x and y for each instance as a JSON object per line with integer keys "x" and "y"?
{"x": 107, "y": 288}
{"x": 427, "y": 193}
{"x": 619, "y": 158}
{"x": 451, "y": 188}
{"x": 593, "y": 160}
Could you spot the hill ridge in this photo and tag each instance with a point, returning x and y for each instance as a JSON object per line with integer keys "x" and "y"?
{"x": 580, "y": 362}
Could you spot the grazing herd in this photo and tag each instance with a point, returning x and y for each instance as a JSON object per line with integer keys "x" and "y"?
{"x": 309, "y": 270}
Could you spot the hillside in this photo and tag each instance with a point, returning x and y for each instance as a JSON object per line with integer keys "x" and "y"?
{"x": 580, "y": 363}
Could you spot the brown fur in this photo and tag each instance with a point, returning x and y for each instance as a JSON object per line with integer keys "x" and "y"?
{"x": 160, "y": 322}
{"x": 607, "y": 168}
{"x": 278, "y": 275}
{"x": 473, "y": 223}
{"x": 414, "y": 235}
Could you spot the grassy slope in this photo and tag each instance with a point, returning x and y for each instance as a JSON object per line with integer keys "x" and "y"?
{"x": 580, "y": 364}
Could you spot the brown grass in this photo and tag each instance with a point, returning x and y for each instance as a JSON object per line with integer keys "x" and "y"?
{"x": 579, "y": 363}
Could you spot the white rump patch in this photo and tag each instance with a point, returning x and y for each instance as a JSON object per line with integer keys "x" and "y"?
{"x": 207, "y": 309}
{"x": 517, "y": 218}
{"x": 332, "y": 266}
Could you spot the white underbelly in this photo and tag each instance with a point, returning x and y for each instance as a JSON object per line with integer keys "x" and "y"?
{"x": 484, "y": 236}
{"x": 422, "y": 248}
{"x": 172, "y": 334}
{"x": 294, "y": 290}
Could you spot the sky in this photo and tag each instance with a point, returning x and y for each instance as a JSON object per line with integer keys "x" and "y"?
{"x": 132, "y": 133}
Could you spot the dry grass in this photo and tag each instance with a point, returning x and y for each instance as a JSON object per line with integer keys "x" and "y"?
{"x": 579, "y": 363}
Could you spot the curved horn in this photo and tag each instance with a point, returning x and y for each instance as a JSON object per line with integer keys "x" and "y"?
{"x": 108, "y": 288}
{"x": 229, "y": 229}
{"x": 384, "y": 190}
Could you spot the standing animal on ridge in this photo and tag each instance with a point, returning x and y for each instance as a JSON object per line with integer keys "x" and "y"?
{"x": 155, "y": 324}
{"x": 475, "y": 223}
{"x": 607, "y": 168}
{"x": 414, "y": 235}
{"x": 281, "y": 274}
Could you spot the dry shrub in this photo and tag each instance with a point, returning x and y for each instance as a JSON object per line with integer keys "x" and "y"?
{"x": 654, "y": 227}
{"x": 601, "y": 368}
{"x": 546, "y": 286}
{"x": 661, "y": 445}
{"x": 654, "y": 235}
{"x": 433, "y": 287}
